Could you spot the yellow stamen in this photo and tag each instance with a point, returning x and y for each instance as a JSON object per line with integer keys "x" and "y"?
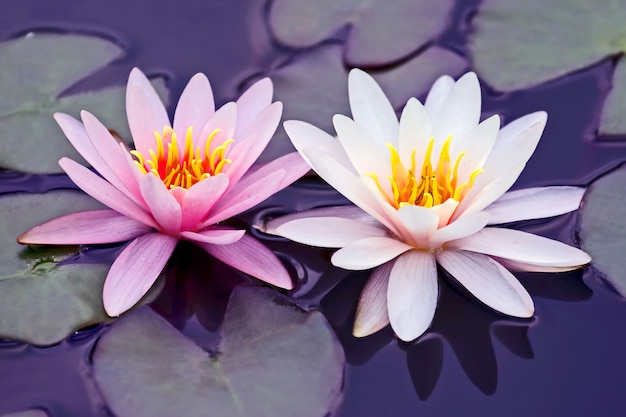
{"x": 432, "y": 185}
{"x": 186, "y": 169}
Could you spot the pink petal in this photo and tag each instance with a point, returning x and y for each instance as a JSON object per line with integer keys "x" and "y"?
{"x": 445, "y": 210}
{"x": 534, "y": 203}
{"x": 328, "y": 232}
{"x": 163, "y": 206}
{"x": 368, "y": 253}
{"x": 522, "y": 247}
{"x": 460, "y": 228}
{"x": 488, "y": 281}
{"x": 214, "y": 236}
{"x": 224, "y": 120}
{"x": 292, "y": 163}
{"x": 438, "y": 94}
{"x": 87, "y": 227}
{"x": 144, "y": 110}
{"x": 135, "y": 270}
{"x": 78, "y": 137}
{"x": 104, "y": 192}
{"x": 412, "y": 294}
{"x": 304, "y": 135}
{"x": 200, "y": 198}
{"x": 371, "y": 107}
{"x": 241, "y": 198}
{"x": 252, "y": 102}
{"x": 259, "y": 132}
{"x": 113, "y": 156}
{"x": 371, "y": 312}
{"x": 195, "y": 106}
{"x": 346, "y": 212}
{"x": 252, "y": 257}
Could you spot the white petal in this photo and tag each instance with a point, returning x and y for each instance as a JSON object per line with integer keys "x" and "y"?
{"x": 346, "y": 212}
{"x": 462, "y": 227}
{"x": 445, "y": 211}
{"x": 460, "y": 112}
{"x": 488, "y": 281}
{"x": 438, "y": 94}
{"x": 412, "y": 294}
{"x": 534, "y": 203}
{"x": 371, "y": 312}
{"x": 368, "y": 253}
{"x": 512, "y": 130}
{"x": 342, "y": 180}
{"x": 476, "y": 145}
{"x": 304, "y": 135}
{"x": 328, "y": 232}
{"x": 521, "y": 266}
{"x": 415, "y": 132}
{"x": 505, "y": 163}
{"x": 522, "y": 247}
{"x": 371, "y": 107}
{"x": 420, "y": 222}
{"x": 367, "y": 155}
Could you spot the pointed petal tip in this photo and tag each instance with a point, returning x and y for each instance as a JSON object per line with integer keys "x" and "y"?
{"x": 361, "y": 331}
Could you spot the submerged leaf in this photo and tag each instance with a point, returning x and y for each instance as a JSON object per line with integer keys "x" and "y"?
{"x": 273, "y": 360}
{"x": 518, "y": 44}
{"x": 380, "y": 31}
{"x": 602, "y": 227}
{"x": 314, "y": 87}
{"x": 42, "y": 302}
{"x": 35, "y": 71}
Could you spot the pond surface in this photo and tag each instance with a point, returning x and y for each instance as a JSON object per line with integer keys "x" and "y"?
{"x": 567, "y": 360}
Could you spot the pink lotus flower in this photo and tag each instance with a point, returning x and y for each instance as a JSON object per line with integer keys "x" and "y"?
{"x": 425, "y": 188}
{"x": 179, "y": 184}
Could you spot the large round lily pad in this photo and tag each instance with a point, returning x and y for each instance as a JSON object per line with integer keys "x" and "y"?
{"x": 379, "y": 31}
{"x": 35, "y": 71}
{"x": 273, "y": 359}
{"x": 519, "y": 44}
{"x": 42, "y": 302}
{"x": 602, "y": 227}
{"x": 314, "y": 87}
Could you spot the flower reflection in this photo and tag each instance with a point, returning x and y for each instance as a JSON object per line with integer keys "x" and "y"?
{"x": 182, "y": 180}
{"x": 425, "y": 188}
{"x": 463, "y": 325}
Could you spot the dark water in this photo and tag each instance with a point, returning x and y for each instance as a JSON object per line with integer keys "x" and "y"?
{"x": 568, "y": 360}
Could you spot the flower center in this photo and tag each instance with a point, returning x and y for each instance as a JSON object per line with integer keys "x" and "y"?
{"x": 176, "y": 170}
{"x": 432, "y": 186}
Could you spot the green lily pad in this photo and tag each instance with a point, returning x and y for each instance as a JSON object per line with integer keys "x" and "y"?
{"x": 602, "y": 227}
{"x": 613, "y": 119}
{"x": 379, "y": 31}
{"x": 29, "y": 413}
{"x": 42, "y": 302}
{"x": 35, "y": 71}
{"x": 273, "y": 359}
{"x": 517, "y": 44}
{"x": 314, "y": 87}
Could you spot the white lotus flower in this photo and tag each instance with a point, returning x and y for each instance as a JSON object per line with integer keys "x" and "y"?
{"x": 427, "y": 188}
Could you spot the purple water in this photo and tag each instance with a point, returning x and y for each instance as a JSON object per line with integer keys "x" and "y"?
{"x": 568, "y": 360}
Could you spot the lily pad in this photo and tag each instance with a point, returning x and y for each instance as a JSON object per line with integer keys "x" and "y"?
{"x": 41, "y": 301}
{"x": 613, "y": 119}
{"x": 314, "y": 87}
{"x": 379, "y": 31}
{"x": 518, "y": 44}
{"x": 273, "y": 360}
{"x": 602, "y": 227}
{"x": 35, "y": 71}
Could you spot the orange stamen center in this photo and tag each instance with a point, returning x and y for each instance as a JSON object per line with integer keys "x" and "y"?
{"x": 176, "y": 170}
{"x": 432, "y": 186}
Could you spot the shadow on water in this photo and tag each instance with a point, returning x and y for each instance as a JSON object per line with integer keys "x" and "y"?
{"x": 460, "y": 320}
